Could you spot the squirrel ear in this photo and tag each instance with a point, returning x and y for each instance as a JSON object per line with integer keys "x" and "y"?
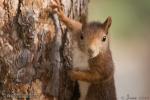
{"x": 83, "y": 20}
{"x": 107, "y": 24}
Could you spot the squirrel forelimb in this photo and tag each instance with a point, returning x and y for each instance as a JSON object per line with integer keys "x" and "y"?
{"x": 73, "y": 25}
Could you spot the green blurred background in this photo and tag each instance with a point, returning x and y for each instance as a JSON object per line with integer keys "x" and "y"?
{"x": 131, "y": 18}
{"x": 130, "y": 43}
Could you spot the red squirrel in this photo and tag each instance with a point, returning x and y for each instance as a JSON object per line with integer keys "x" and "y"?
{"x": 93, "y": 66}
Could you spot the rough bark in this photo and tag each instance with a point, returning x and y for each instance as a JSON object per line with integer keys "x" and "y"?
{"x": 35, "y": 50}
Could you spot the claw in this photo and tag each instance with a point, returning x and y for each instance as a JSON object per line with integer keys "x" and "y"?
{"x": 57, "y": 7}
{"x": 71, "y": 74}
{"x": 55, "y": 4}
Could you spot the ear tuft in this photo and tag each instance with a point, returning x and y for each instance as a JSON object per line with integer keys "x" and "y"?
{"x": 83, "y": 20}
{"x": 107, "y": 23}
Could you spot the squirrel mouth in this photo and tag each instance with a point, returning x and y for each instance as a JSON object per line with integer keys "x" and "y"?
{"x": 90, "y": 55}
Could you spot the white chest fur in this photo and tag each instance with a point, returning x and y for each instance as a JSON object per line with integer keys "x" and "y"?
{"x": 80, "y": 61}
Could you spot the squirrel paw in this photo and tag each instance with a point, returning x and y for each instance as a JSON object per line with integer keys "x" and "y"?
{"x": 57, "y": 8}
{"x": 73, "y": 74}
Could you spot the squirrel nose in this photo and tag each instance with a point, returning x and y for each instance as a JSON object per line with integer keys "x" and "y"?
{"x": 90, "y": 51}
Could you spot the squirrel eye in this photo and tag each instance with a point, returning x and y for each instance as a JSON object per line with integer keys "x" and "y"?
{"x": 81, "y": 37}
{"x": 104, "y": 39}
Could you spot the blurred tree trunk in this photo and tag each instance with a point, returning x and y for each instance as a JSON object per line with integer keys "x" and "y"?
{"x": 35, "y": 50}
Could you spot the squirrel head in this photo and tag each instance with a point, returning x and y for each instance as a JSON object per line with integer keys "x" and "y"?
{"x": 93, "y": 38}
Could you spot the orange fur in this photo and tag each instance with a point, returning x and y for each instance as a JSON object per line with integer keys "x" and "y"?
{"x": 92, "y": 41}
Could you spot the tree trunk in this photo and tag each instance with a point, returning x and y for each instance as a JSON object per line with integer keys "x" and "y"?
{"x": 35, "y": 50}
